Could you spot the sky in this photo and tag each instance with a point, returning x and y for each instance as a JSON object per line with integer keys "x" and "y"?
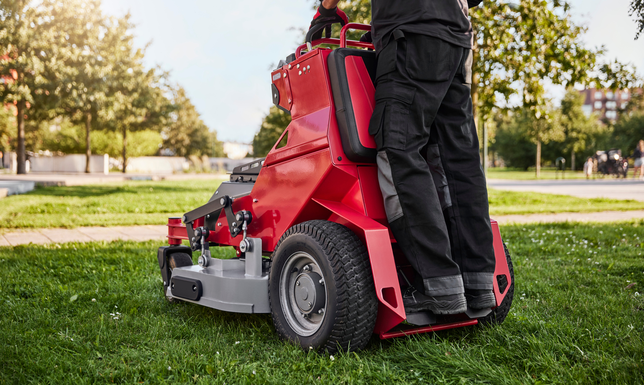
{"x": 222, "y": 53}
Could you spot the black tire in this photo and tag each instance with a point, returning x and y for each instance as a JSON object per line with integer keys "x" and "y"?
{"x": 497, "y": 316}
{"x": 177, "y": 260}
{"x": 350, "y": 304}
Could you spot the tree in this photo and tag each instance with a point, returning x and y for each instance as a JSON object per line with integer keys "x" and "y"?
{"x": 186, "y": 134}
{"x": 32, "y": 49}
{"x": 579, "y": 129}
{"x": 84, "y": 91}
{"x": 628, "y": 131}
{"x": 637, "y": 10}
{"x": 273, "y": 125}
{"x": 137, "y": 98}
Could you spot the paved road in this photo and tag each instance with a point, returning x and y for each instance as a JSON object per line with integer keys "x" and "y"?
{"x": 593, "y": 188}
{"x": 83, "y": 234}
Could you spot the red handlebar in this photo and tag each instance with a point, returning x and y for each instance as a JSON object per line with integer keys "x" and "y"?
{"x": 342, "y": 41}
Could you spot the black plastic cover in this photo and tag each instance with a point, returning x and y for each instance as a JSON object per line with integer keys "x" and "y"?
{"x": 351, "y": 144}
{"x": 186, "y": 288}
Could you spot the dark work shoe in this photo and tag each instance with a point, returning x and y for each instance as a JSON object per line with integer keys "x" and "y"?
{"x": 415, "y": 301}
{"x": 480, "y": 299}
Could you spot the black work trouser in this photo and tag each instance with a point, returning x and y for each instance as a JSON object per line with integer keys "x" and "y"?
{"x": 428, "y": 163}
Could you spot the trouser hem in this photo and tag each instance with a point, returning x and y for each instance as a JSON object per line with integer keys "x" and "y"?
{"x": 478, "y": 281}
{"x": 440, "y": 286}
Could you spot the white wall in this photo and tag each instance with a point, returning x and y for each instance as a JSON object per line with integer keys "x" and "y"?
{"x": 157, "y": 164}
{"x": 70, "y": 163}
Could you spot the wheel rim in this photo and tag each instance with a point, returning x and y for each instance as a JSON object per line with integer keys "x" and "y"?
{"x": 303, "y": 294}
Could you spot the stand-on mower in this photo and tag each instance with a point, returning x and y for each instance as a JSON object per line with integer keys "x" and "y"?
{"x": 308, "y": 221}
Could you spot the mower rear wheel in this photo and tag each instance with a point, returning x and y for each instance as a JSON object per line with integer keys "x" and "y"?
{"x": 498, "y": 314}
{"x": 321, "y": 288}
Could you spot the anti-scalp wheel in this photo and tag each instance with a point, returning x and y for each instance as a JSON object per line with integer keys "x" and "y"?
{"x": 178, "y": 260}
{"x": 321, "y": 289}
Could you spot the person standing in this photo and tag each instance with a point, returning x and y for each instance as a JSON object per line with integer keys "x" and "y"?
{"x": 429, "y": 168}
{"x": 638, "y": 156}
{"x": 588, "y": 167}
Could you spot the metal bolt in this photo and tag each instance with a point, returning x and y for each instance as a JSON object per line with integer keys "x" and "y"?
{"x": 222, "y": 201}
{"x": 321, "y": 311}
{"x": 289, "y": 66}
{"x": 306, "y": 268}
{"x": 216, "y": 192}
{"x": 297, "y": 283}
{"x": 234, "y": 224}
{"x": 208, "y": 216}
{"x": 298, "y": 66}
{"x": 184, "y": 219}
{"x": 165, "y": 283}
{"x": 194, "y": 239}
{"x": 194, "y": 288}
{"x": 219, "y": 224}
{"x": 339, "y": 158}
{"x": 321, "y": 282}
{"x": 255, "y": 200}
{"x": 300, "y": 73}
{"x": 308, "y": 67}
{"x": 309, "y": 303}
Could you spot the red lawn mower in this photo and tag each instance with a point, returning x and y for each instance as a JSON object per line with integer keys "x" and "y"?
{"x": 308, "y": 221}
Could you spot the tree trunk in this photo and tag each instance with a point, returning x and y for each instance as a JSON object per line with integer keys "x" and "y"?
{"x": 124, "y": 149}
{"x": 538, "y": 168}
{"x": 88, "y": 149}
{"x": 22, "y": 156}
{"x": 572, "y": 160}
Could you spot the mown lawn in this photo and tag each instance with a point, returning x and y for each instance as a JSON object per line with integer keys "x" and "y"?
{"x": 151, "y": 203}
{"x": 87, "y": 313}
{"x": 546, "y": 173}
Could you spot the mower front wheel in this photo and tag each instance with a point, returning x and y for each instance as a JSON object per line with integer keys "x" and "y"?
{"x": 321, "y": 288}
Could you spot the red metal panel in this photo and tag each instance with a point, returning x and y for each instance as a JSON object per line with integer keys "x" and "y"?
{"x": 371, "y": 195}
{"x": 282, "y": 191}
{"x": 363, "y": 95}
{"x": 385, "y": 277}
{"x": 309, "y": 84}
{"x": 501, "y": 263}
{"x": 427, "y": 329}
{"x": 309, "y": 127}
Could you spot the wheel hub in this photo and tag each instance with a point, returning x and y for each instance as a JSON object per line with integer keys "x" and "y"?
{"x": 309, "y": 292}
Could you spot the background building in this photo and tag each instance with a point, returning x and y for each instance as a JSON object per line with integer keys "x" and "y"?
{"x": 605, "y": 103}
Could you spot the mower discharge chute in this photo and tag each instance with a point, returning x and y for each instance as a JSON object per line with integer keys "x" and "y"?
{"x": 308, "y": 221}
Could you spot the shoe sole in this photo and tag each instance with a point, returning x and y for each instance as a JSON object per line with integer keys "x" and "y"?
{"x": 485, "y": 301}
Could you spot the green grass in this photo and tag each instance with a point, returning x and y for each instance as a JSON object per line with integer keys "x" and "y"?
{"x": 577, "y": 318}
{"x": 115, "y": 204}
{"x": 515, "y": 202}
{"x": 151, "y": 203}
{"x": 513, "y": 173}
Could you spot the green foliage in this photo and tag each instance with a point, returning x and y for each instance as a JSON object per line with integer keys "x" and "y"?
{"x": 94, "y": 313}
{"x": 512, "y": 142}
{"x": 637, "y": 10}
{"x": 629, "y": 130}
{"x": 7, "y": 128}
{"x": 186, "y": 134}
{"x": 270, "y": 131}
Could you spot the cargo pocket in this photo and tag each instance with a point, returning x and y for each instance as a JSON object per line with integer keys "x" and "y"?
{"x": 390, "y": 120}
{"x": 438, "y": 175}
{"x": 430, "y": 59}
